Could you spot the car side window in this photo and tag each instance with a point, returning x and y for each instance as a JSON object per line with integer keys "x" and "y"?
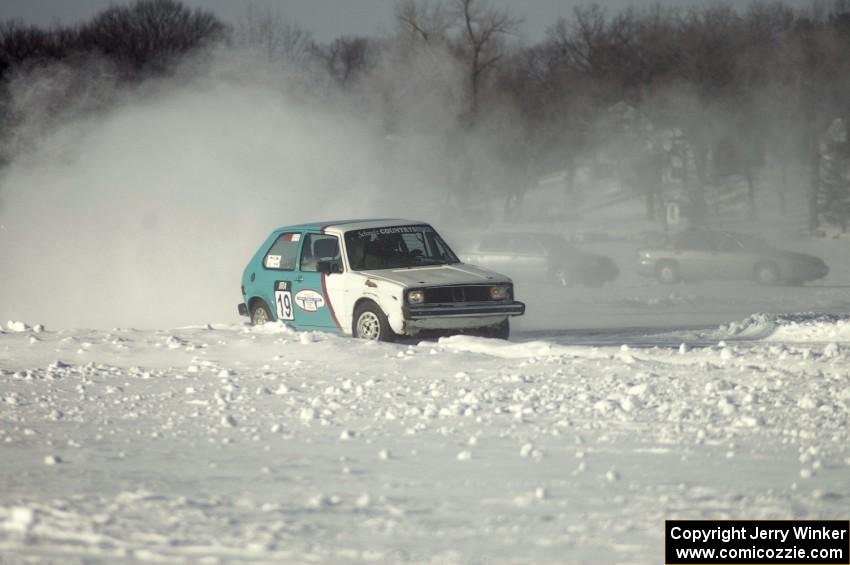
{"x": 317, "y": 248}
{"x": 281, "y": 256}
{"x": 695, "y": 241}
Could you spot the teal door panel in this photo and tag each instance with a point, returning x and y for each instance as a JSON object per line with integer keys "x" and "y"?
{"x": 310, "y": 302}
{"x": 276, "y": 275}
{"x": 311, "y": 306}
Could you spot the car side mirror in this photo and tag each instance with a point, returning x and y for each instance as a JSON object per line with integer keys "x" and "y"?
{"x": 328, "y": 267}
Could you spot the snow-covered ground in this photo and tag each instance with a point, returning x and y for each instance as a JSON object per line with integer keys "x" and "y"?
{"x": 227, "y": 444}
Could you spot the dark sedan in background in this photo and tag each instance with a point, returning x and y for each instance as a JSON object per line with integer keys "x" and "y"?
{"x": 540, "y": 257}
{"x": 696, "y": 255}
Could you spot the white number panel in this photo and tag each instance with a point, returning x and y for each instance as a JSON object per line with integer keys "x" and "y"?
{"x": 283, "y": 299}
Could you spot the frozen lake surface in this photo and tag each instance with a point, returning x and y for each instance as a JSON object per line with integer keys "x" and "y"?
{"x": 230, "y": 444}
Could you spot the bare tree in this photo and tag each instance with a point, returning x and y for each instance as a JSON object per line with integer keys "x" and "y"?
{"x": 425, "y": 19}
{"x": 482, "y": 31}
{"x": 149, "y": 33}
{"x": 655, "y": 50}
{"x": 277, "y": 37}
{"x": 21, "y": 43}
{"x": 346, "y": 58}
{"x": 595, "y": 45}
{"x": 553, "y": 100}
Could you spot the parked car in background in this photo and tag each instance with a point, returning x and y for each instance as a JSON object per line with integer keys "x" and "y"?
{"x": 696, "y": 254}
{"x": 542, "y": 257}
{"x": 373, "y": 279}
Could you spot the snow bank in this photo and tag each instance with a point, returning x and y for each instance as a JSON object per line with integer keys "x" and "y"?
{"x": 21, "y": 327}
{"x": 802, "y": 327}
{"x": 502, "y": 349}
{"x": 513, "y": 350}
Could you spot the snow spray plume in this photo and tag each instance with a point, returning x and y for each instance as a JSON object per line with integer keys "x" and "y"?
{"x": 145, "y": 212}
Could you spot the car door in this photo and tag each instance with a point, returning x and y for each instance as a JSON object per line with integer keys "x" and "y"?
{"x": 313, "y": 305}
{"x": 736, "y": 263}
{"x": 277, "y": 273}
{"x": 696, "y": 254}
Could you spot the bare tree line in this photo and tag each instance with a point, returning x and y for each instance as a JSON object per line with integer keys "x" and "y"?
{"x": 716, "y": 90}
{"x": 140, "y": 36}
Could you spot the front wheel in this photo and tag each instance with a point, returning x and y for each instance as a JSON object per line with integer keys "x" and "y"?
{"x": 260, "y": 314}
{"x": 371, "y": 323}
{"x": 767, "y": 274}
{"x": 499, "y": 331}
{"x": 563, "y": 277}
{"x": 667, "y": 272}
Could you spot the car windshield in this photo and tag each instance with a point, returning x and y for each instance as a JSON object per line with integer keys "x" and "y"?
{"x": 396, "y": 247}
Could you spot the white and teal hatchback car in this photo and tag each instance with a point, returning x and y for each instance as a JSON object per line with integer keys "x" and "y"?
{"x": 373, "y": 279}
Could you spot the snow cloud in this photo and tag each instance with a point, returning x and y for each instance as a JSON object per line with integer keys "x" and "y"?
{"x": 145, "y": 213}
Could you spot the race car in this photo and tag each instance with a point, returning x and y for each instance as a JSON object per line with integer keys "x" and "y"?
{"x": 375, "y": 280}
{"x": 699, "y": 254}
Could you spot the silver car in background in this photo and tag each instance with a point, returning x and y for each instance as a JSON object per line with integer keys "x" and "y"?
{"x": 536, "y": 256}
{"x": 696, "y": 254}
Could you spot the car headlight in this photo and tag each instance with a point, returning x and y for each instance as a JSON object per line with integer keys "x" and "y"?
{"x": 416, "y": 297}
{"x": 499, "y": 292}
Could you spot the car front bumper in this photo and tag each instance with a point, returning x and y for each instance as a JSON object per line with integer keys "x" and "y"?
{"x": 645, "y": 267}
{"x": 810, "y": 272}
{"x": 463, "y": 310}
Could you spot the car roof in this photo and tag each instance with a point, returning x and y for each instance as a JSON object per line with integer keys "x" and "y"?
{"x": 348, "y": 225}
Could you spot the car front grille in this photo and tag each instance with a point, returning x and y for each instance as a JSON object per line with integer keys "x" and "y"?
{"x": 459, "y": 293}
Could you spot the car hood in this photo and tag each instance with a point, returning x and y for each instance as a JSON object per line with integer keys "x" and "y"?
{"x": 438, "y": 275}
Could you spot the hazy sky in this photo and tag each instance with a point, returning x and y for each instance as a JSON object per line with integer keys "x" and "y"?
{"x": 329, "y": 18}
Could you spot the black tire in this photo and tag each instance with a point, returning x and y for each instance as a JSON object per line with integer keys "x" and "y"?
{"x": 499, "y": 331}
{"x": 564, "y": 277}
{"x": 371, "y": 323}
{"x": 260, "y": 313}
{"x": 667, "y": 272}
{"x": 766, "y": 274}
